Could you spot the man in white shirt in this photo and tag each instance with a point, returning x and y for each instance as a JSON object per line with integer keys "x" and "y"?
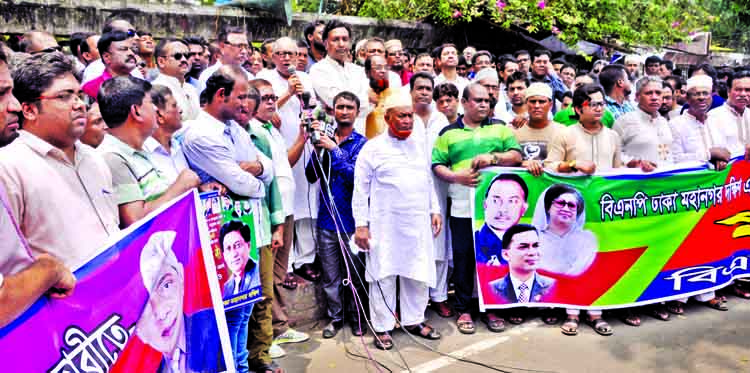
{"x": 165, "y": 150}
{"x": 376, "y": 47}
{"x": 235, "y": 50}
{"x": 334, "y": 74}
{"x": 488, "y": 78}
{"x": 428, "y": 122}
{"x": 448, "y": 62}
{"x": 289, "y": 89}
{"x": 729, "y": 124}
{"x": 173, "y": 59}
{"x": 261, "y": 123}
{"x": 391, "y": 182}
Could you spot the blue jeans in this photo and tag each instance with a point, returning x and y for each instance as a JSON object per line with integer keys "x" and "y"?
{"x": 237, "y": 320}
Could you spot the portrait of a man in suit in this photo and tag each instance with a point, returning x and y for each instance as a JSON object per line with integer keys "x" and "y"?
{"x": 522, "y": 284}
{"x": 235, "y": 238}
{"x": 504, "y": 205}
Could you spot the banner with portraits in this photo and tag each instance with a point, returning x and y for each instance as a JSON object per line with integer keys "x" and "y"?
{"x": 146, "y": 303}
{"x": 610, "y": 240}
{"x": 232, "y": 229}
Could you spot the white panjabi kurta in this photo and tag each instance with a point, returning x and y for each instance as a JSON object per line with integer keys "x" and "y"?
{"x": 729, "y": 129}
{"x": 427, "y": 134}
{"x": 391, "y": 180}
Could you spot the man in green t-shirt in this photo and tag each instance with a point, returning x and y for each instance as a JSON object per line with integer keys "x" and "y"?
{"x": 461, "y": 149}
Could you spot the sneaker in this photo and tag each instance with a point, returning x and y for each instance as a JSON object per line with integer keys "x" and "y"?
{"x": 291, "y": 336}
{"x": 276, "y": 351}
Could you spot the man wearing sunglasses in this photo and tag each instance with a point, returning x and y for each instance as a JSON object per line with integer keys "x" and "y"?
{"x": 118, "y": 51}
{"x": 235, "y": 50}
{"x": 173, "y": 58}
{"x": 96, "y": 68}
{"x": 47, "y": 166}
{"x": 39, "y": 42}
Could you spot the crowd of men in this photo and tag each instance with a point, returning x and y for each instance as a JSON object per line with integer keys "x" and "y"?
{"x": 368, "y": 194}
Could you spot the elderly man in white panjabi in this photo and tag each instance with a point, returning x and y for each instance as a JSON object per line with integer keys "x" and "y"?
{"x": 393, "y": 216}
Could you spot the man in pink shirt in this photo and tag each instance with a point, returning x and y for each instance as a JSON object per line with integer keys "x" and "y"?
{"x": 117, "y": 49}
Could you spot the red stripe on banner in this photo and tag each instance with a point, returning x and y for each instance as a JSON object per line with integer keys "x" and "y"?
{"x": 137, "y": 357}
{"x": 708, "y": 241}
{"x": 197, "y": 292}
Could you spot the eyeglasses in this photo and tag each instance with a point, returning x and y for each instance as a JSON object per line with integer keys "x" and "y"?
{"x": 179, "y": 56}
{"x": 65, "y": 96}
{"x": 49, "y": 50}
{"x": 285, "y": 54}
{"x": 269, "y": 98}
{"x": 239, "y": 45}
{"x": 131, "y": 33}
{"x": 142, "y": 65}
{"x": 562, "y": 204}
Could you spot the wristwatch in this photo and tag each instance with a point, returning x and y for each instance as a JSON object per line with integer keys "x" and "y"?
{"x": 495, "y": 159}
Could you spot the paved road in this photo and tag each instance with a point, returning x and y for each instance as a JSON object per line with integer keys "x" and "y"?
{"x": 703, "y": 340}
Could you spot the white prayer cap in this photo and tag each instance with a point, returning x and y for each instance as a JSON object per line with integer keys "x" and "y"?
{"x": 400, "y": 98}
{"x": 393, "y": 43}
{"x": 632, "y": 58}
{"x": 486, "y": 73}
{"x": 703, "y": 81}
{"x": 539, "y": 89}
{"x": 157, "y": 253}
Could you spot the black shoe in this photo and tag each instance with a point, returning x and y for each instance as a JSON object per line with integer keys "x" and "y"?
{"x": 332, "y": 329}
{"x": 356, "y": 330}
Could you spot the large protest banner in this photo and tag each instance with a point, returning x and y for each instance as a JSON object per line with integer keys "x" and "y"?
{"x": 610, "y": 240}
{"x": 144, "y": 304}
{"x": 236, "y": 260}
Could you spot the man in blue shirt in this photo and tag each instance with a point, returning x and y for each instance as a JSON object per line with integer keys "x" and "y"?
{"x": 333, "y": 164}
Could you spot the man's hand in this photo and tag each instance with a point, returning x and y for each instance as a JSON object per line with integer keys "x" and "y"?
{"x": 647, "y": 166}
{"x": 468, "y": 177}
{"x": 303, "y": 135}
{"x": 66, "y": 281}
{"x": 362, "y": 238}
{"x": 326, "y": 143}
{"x": 295, "y": 86}
{"x": 534, "y": 167}
{"x": 211, "y": 186}
{"x": 437, "y": 224}
{"x": 747, "y": 152}
{"x": 482, "y": 161}
{"x": 372, "y": 96}
{"x": 253, "y": 167}
{"x": 519, "y": 121}
{"x": 277, "y": 238}
{"x": 587, "y": 167}
{"x": 276, "y": 119}
{"x": 188, "y": 179}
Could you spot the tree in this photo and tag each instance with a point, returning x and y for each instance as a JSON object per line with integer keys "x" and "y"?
{"x": 732, "y": 29}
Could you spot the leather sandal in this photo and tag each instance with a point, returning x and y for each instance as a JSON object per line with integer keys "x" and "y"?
{"x": 717, "y": 304}
{"x": 465, "y": 324}
{"x": 600, "y": 326}
{"x": 423, "y": 330}
{"x": 570, "y": 326}
{"x": 383, "y": 340}
{"x": 494, "y": 323}
{"x": 675, "y": 307}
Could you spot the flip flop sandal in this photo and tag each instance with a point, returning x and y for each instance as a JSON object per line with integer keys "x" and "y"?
{"x": 570, "y": 326}
{"x": 630, "y": 318}
{"x": 600, "y": 326}
{"x": 675, "y": 307}
{"x": 423, "y": 330}
{"x": 515, "y": 320}
{"x": 658, "y": 314}
{"x": 466, "y": 326}
{"x": 383, "y": 341}
{"x": 494, "y": 324}
{"x": 717, "y": 304}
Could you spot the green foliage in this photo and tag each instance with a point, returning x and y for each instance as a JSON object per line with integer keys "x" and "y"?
{"x": 733, "y": 28}
{"x": 649, "y": 22}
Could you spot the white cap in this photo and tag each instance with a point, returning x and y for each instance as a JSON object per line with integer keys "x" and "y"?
{"x": 157, "y": 253}
{"x": 400, "y": 98}
{"x": 703, "y": 81}
{"x": 633, "y": 58}
{"x": 487, "y": 73}
{"x": 539, "y": 89}
{"x": 393, "y": 43}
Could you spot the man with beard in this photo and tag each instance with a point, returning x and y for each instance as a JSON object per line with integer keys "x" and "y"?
{"x": 173, "y": 58}
{"x": 140, "y": 187}
{"x": 645, "y": 135}
{"x": 198, "y": 60}
{"x": 376, "y": 70}
{"x": 428, "y": 122}
{"x": 47, "y": 165}
{"x": 334, "y": 74}
{"x": 118, "y": 50}
{"x": 633, "y": 66}
{"x": 667, "y": 101}
{"x": 614, "y": 79}
{"x": 461, "y": 149}
{"x": 314, "y": 37}
{"x": 394, "y": 164}
{"x": 334, "y": 167}
{"x": 376, "y": 47}
{"x": 394, "y": 52}
{"x": 235, "y": 50}
{"x": 540, "y": 131}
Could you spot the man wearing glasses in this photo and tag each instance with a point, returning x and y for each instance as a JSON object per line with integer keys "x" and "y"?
{"x": 39, "y": 42}
{"x": 235, "y": 50}
{"x": 118, "y": 51}
{"x": 460, "y": 151}
{"x": 46, "y": 166}
{"x": 173, "y": 57}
